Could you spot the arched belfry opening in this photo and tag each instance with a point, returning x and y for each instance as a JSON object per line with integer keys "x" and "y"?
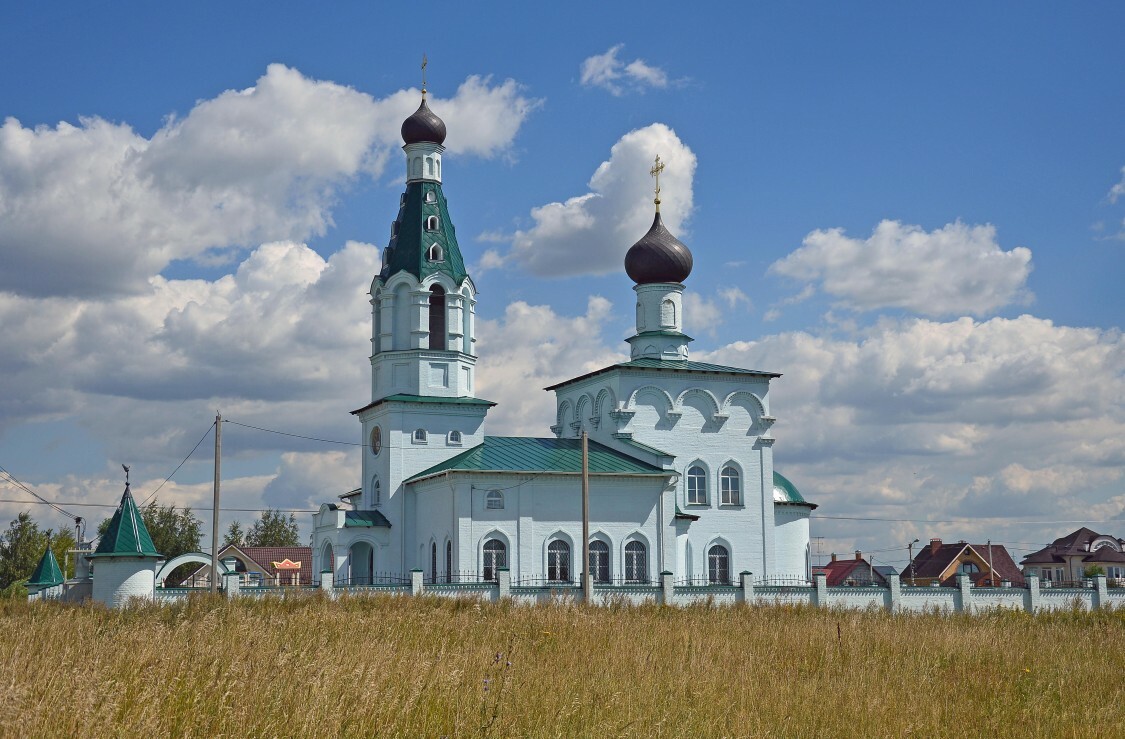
{"x": 437, "y": 317}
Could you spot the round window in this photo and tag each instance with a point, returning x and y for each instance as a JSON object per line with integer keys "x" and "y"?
{"x": 376, "y": 440}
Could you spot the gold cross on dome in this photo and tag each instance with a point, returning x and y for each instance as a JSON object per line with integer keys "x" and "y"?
{"x": 657, "y": 168}
{"x": 424, "y": 63}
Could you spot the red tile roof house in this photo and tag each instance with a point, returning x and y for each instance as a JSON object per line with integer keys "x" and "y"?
{"x": 264, "y": 565}
{"x": 856, "y": 571}
{"x": 986, "y": 565}
{"x": 1066, "y": 559}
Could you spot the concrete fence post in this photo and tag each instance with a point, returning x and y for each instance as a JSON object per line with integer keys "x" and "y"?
{"x": 894, "y": 593}
{"x": 326, "y": 581}
{"x": 1101, "y": 592}
{"x": 820, "y": 596}
{"x": 231, "y": 584}
{"x": 746, "y": 580}
{"x": 667, "y": 588}
{"x": 964, "y": 602}
{"x": 416, "y": 587}
{"x": 1031, "y": 597}
{"x": 588, "y": 587}
{"x": 503, "y": 583}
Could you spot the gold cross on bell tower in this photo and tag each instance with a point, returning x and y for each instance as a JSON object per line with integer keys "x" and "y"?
{"x": 657, "y": 168}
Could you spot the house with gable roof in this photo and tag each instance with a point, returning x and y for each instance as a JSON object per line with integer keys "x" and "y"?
{"x": 1067, "y": 558}
{"x": 987, "y": 565}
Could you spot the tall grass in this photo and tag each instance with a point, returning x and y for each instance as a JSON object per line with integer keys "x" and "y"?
{"x": 424, "y": 667}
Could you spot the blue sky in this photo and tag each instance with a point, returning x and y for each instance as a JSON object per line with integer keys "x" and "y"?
{"x": 916, "y": 214}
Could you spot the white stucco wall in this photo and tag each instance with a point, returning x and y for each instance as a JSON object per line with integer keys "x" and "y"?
{"x": 791, "y": 541}
{"x": 117, "y": 579}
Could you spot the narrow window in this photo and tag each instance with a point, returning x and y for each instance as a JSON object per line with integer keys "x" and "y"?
{"x": 495, "y": 557}
{"x": 433, "y": 561}
{"x": 731, "y": 485}
{"x": 420, "y": 436}
{"x": 599, "y": 561}
{"x": 430, "y": 166}
{"x": 667, "y": 313}
{"x": 558, "y": 561}
{"x": 718, "y": 565}
{"x": 437, "y": 317}
{"x": 435, "y": 254}
{"x": 376, "y": 492}
{"x": 640, "y": 316}
{"x": 697, "y": 485}
{"x": 494, "y": 500}
{"x": 454, "y": 437}
{"x": 433, "y": 223}
{"x": 449, "y": 561}
{"x": 394, "y": 229}
{"x": 636, "y": 562}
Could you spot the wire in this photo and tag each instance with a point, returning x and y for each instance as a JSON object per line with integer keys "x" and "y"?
{"x": 181, "y": 464}
{"x": 295, "y": 436}
{"x": 962, "y": 520}
{"x": 26, "y": 489}
{"x": 114, "y": 505}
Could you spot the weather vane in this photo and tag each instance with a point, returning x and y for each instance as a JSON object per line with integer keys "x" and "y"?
{"x": 424, "y": 63}
{"x": 657, "y": 168}
{"x": 126, "y": 468}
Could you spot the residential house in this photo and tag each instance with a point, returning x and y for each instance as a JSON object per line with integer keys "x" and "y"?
{"x": 987, "y": 565}
{"x": 852, "y": 572}
{"x": 1065, "y": 560}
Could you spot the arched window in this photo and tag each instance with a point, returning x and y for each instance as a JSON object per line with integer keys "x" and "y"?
{"x": 327, "y": 559}
{"x": 968, "y": 568}
{"x": 636, "y": 562}
{"x": 697, "y": 485}
{"x": 667, "y": 313}
{"x": 599, "y": 561}
{"x": 449, "y": 561}
{"x": 431, "y": 196}
{"x": 718, "y": 565}
{"x": 433, "y": 561}
{"x": 558, "y": 561}
{"x": 495, "y": 557}
{"x": 437, "y": 317}
{"x": 430, "y": 166}
{"x": 432, "y": 223}
{"x": 731, "y": 486}
{"x": 494, "y": 499}
{"x": 435, "y": 254}
{"x": 420, "y": 436}
{"x": 454, "y": 437}
{"x": 376, "y": 492}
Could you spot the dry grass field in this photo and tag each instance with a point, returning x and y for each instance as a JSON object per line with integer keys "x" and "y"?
{"x": 388, "y": 666}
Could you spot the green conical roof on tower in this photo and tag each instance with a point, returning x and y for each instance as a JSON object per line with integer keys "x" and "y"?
{"x": 48, "y": 573}
{"x": 126, "y": 535}
{"x": 414, "y": 236}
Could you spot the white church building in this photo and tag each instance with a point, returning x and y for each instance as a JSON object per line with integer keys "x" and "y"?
{"x": 681, "y": 475}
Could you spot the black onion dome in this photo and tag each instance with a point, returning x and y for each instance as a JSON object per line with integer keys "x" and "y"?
{"x": 658, "y": 257}
{"x": 423, "y": 125}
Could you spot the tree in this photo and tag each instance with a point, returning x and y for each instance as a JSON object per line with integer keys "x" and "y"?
{"x": 235, "y": 535}
{"x": 174, "y": 532}
{"x": 273, "y": 529}
{"x": 22, "y": 546}
{"x": 1093, "y": 571}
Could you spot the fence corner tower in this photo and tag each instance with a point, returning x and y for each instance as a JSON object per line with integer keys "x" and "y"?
{"x": 423, "y": 407}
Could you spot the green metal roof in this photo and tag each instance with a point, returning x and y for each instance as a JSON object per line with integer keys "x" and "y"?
{"x": 365, "y": 519}
{"x": 48, "y": 573}
{"x": 786, "y": 492}
{"x": 522, "y": 454}
{"x": 126, "y": 535}
{"x": 408, "y": 247}
{"x": 403, "y": 398}
{"x": 670, "y": 365}
{"x": 645, "y": 447}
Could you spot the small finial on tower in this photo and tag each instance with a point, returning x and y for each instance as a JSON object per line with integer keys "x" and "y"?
{"x": 657, "y": 168}
{"x": 126, "y": 468}
{"x": 424, "y": 63}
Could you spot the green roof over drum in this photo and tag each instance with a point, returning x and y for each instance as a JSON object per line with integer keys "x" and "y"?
{"x": 410, "y": 241}
{"x": 669, "y": 365}
{"x": 786, "y": 492}
{"x": 126, "y": 535}
{"x": 48, "y": 573}
{"x": 523, "y": 454}
{"x": 432, "y": 399}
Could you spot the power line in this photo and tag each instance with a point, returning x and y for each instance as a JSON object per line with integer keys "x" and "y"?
{"x": 181, "y": 464}
{"x": 976, "y": 519}
{"x": 114, "y": 505}
{"x": 295, "y": 436}
{"x": 12, "y": 478}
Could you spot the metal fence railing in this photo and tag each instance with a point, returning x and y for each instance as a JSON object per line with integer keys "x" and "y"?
{"x": 540, "y": 581}
{"x": 700, "y": 582}
{"x": 375, "y": 578}
{"x": 454, "y": 578}
{"x": 782, "y": 582}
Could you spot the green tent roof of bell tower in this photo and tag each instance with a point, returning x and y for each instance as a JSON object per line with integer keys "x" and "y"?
{"x": 409, "y": 249}
{"x": 126, "y": 535}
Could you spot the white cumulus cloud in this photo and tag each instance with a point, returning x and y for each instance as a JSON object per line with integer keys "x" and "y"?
{"x": 617, "y": 77}
{"x": 954, "y": 270}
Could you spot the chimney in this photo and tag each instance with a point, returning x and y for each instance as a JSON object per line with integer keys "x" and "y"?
{"x": 935, "y": 545}
{"x": 858, "y": 556}
{"x": 833, "y": 556}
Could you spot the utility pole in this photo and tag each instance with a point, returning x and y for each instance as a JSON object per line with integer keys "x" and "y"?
{"x": 215, "y": 510}
{"x": 587, "y": 578}
{"x": 991, "y": 572}
{"x": 910, "y": 560}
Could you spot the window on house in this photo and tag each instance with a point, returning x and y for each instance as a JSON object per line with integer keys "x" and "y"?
{"x": 495, "y": 557}
{"x": 636, "y": 562}
{"x": 599, "y": 561}
{"x": 454, "y": 437}
{"x": 558, "y": 561}
{"x": 968, "y": 568}
{"x": 435, "y": 254}
{"x": 420, "y": 436}
{"x": 718, "y": 565}
{"x": 731, "y": 485}
{"x": 437, "y": 317}
{"x": 494, "y": 500}
{"x": 449, "y": 561}
{"x": 697, "y": 485}
{"x": 433, "y": 561}
{"x": 433, "y": 224}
